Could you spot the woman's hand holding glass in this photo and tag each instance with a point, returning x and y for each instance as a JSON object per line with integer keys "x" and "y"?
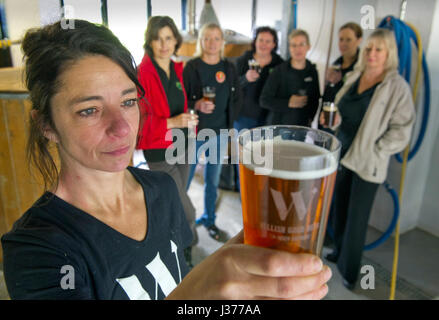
{"x": 337, "y": 121}
{"x": 252, "y": 75}
{"x": 183, "y": 120}
{"x": 333, "y": 75}
{"x": 204, "y": 106}
{"x": 239, "y": 271}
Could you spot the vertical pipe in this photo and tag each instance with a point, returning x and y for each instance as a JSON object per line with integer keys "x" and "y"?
{"x": 331, "y": 34}
{"x": 254, "y": 11}
{"x": 148, "y": 9}
{"x": 183, "y": 14}
{"x": 63, "y": 13}
{"x": 3, "y": 24}
{"x": 403, "y": 10}
{"x": 191, "y": 17}
{"x": 286, "y": 27}
{"x": 294, "y": 14}
{"x": 401, "y": 189}
{"x": 104, "y": 12}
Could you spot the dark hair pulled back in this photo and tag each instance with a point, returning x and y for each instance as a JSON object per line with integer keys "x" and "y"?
{"x": 48, "y": 52}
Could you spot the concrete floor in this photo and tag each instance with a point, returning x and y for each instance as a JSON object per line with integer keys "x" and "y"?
{"x": 418, "y": 268}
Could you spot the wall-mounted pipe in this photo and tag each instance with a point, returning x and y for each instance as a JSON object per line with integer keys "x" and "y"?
{"x": 148, "y": 9}
{"x": 403, "y": 10}
{"x": 183, "y": 14}
{"x": 254, "y": 12}
{"x": 104, "y": 12}
{"x": 191, "y": 17}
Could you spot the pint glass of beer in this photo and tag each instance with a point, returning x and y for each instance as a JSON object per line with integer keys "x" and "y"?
{"x": 287, "y": 176}
{"x": 209, "y": 94}
{"x": 254, "y": 65}
{"x": 329, "y": 110}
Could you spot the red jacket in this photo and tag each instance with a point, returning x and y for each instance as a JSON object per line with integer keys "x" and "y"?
{"x": 155, "y": 111}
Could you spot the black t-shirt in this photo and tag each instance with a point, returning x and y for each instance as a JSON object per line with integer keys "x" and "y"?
{"x": 252, "y": 90}
{"x": 215, "y": 76}
{"x": 284, "y": 82}
{"x": 352, "y": 107}
{"x": 57, "y": 251}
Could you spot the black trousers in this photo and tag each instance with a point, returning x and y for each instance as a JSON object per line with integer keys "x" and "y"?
{"x": 353, "y": 200}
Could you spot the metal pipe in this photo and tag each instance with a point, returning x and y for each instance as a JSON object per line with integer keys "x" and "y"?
{"x": 403, "y": 10}
{"x": 334, "y": 6}
{"x": 148, "y": 9}
{"x": 254, "y": 11}
{"x": 191, "y": 17}
{"x": 183, "y": 14}
{"x": 104, "y": 12}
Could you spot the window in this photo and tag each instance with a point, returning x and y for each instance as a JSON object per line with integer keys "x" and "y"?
{"x": 128, "y": 20}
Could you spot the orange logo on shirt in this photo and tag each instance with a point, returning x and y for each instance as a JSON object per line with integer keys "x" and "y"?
{"x": 220, "y": 77}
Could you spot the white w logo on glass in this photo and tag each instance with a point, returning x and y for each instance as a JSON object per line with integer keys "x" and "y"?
{"x": 296, "y": 200}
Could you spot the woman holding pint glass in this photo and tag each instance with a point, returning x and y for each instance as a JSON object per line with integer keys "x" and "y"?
{"x": 118, "y": 231}
{"x": 292, "y": 93}
{"x": 374, "y": 121}
{"x": 212, "y": 87}
{"x": 167, "y": 110}
{"x": 349, "y": 38}
{"x": 254, "y": 67}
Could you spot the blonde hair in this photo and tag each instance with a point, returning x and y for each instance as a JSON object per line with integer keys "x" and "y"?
{"x": 299, "y": 32}
{"x": 381, "y": 36}
{"x": 209, "y": 26}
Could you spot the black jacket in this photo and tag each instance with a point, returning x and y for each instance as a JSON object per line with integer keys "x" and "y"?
{"x": 252, "y": 90}
{"x": 284, "y": 82}
{"x": 194, "y": 88}
{"x": 331, "y": 91}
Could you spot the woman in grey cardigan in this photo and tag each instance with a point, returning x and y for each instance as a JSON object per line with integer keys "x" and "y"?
{"x": 375, "y": 120}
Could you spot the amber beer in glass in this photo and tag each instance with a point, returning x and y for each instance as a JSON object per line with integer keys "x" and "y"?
{"x": 254, "y": 65}
{"x": 209, "y": 94}
{"x": 329, "y": 111}
{"x": 287, "y": 176}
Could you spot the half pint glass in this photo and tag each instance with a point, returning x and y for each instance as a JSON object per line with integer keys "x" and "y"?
{"x": 287, "y": 176}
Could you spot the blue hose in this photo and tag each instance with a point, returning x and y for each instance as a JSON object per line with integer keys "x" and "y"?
{"x": 403, "y": 35}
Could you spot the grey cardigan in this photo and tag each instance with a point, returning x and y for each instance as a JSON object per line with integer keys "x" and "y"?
{"x": 385, "y": 129}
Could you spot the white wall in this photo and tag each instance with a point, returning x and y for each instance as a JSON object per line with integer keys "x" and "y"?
{"x": 128, "y": 23}
{"x": 429, "y": 216}
{"x": 420, "y": 206}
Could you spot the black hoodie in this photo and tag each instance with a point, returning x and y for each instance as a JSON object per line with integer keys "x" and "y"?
{"x": 252, "y": 90}
{"x": 284, "y": 82}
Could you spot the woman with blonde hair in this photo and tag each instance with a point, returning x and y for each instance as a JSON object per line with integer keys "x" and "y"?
{"x": 210, "y": 69}
{"x": 375, "y": 120}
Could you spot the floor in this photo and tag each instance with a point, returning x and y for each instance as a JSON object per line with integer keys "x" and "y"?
{"x": 418, "y": 268}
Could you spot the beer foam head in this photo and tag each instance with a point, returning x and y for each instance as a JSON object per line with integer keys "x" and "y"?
{"x": 288, "y": 159}
{"x": 332, "y": 107}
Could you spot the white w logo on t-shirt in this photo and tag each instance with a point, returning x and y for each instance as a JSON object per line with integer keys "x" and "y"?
{"x": 163, "y": 277}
